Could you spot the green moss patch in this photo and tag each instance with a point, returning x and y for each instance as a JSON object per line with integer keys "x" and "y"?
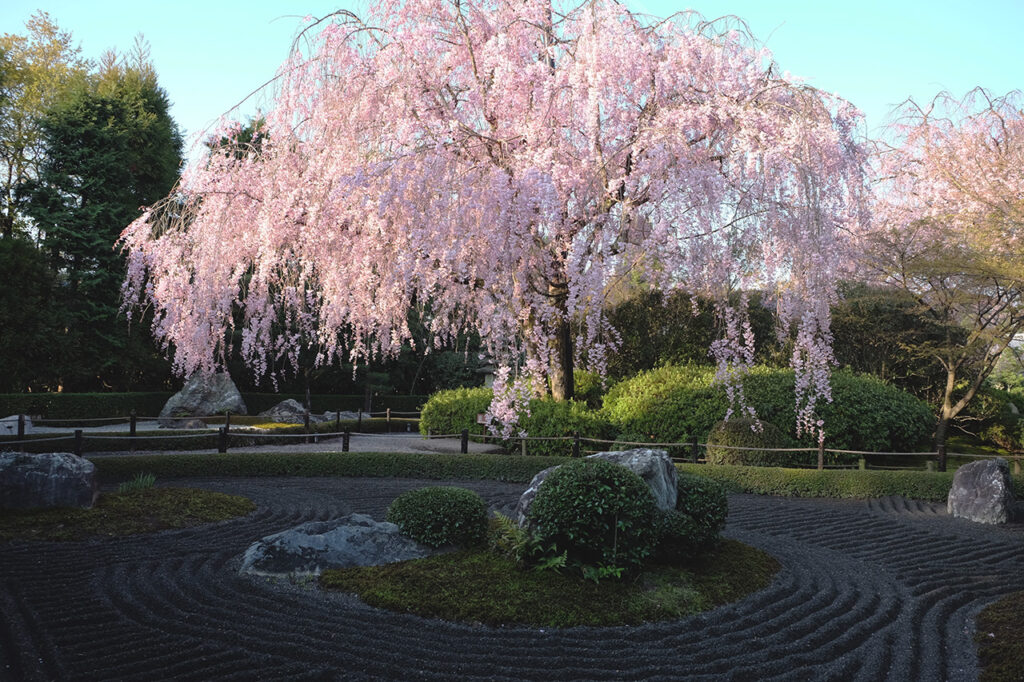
{"x": 139, "y": 511}
{"x": 1000, "y": 639}
{"x": 481, "y": 587}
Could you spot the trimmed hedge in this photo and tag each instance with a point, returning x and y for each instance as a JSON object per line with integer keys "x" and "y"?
{"x": 674, "y": 404}
{"x": 739, "y": 432}
{"x": 435, "y": 466}
{"x": 453, "y": 410}
{"x": 92, "y": 405}
{"x": 432, "y": 466}
{"x": 550, "y": 419}
{"x": 833, "y": 483}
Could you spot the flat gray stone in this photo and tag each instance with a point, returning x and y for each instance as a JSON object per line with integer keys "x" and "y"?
{"x": 311, "y": 548}
{"x": 982, "y": 492}
{"x": 51, "y": 479}
{"x": 9, "y": 425}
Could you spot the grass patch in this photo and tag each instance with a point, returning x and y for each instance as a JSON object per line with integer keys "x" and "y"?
{"x": 481, "y": 587}
{"x": 138, "y": 511}
{"x": 1000, "y": 639}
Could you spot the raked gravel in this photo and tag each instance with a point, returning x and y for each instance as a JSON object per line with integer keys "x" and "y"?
{"x": 869, "y": 590}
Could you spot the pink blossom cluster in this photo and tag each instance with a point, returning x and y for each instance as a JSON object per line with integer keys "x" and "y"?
{"x": 509, "y": 163}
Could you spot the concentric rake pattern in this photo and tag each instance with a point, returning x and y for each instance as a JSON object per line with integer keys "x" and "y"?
{"x": 869, "y": 590}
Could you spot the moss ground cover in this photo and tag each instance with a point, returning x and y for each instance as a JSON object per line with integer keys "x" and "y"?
{"x": 1000, "y": 639}
{"x": 138, "y": 511}
{"x": 481, "y": 587}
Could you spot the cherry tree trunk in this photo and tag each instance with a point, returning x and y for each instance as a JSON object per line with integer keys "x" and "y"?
{"x": 561, "y": 364}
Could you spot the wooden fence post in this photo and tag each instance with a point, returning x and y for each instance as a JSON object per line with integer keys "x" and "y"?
{"x": 337, "y": 421}
{"x": 21, "y": 427}
{"x": 693, "y": 449}
{"x": 821, "y": 455}
{"x": 942, "y": 457}
{"x": 78, "y": 442}
{"x": 387, "y": 418}
{"x": 305, "y": 422}
{"x": 522, "y": 447}
{"x": 345, "y": 439}
{"x": 132, "y": 424}
{"x": 222, "y": 440}
{"x": 465, "y": 441}
{"x": 576, "y": 444}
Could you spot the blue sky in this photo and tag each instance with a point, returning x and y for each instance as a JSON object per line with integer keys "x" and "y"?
{"x": 211, "y": 55}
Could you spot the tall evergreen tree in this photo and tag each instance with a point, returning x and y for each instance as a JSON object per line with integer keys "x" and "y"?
{"x": 111, "y": 147}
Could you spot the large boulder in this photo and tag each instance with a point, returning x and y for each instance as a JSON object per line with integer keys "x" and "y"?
{"x": 202, "y": 396}
{"x": 653, "y": 466}
{"x": 982, "y": 492}
{"x": 53, "y": 479}
{"x": 311, "y": 548}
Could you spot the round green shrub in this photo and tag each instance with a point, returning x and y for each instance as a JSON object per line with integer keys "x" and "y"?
{"x": 674, "y": 403}
{"x": 704, "y": 500}
{"x": 441, "y": 515}
{"x": 451, "y": 411}
{"x": 740, "y": 432}
{"x": 676, "y": 535}
{"x": 599, "y": 513}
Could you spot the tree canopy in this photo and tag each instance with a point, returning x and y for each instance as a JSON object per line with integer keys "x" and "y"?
{"x": 949, "y": 230}
{"x": 507, "y": 163}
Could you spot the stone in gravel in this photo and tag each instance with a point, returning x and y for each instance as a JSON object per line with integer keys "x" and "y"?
{"x": 982, "y": 492}
{"x": 9, "y": 425}
{"x": 653, "y": 466}
{"x": 311, "y": 548}
{"x": 202, "y": 396}
{"x": 52, "y": 479}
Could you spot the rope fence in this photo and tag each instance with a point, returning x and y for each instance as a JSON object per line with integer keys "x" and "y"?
{"x": 692, "y": 449}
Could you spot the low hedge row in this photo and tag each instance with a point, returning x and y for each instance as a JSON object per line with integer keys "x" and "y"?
{"x": 92, "y": 405}
{"x": 830, "y": 483}
{"x": 164, "y": 440}
{"x": 434, "y": 466}
{"x": 834, "y": 483}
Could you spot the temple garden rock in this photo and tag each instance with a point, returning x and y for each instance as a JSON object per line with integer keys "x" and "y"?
{"x": 204, "y": 395}
{"x": 311, "y": 548}
{"x": 39, "y": 481}
{"x": 982, "y": 492}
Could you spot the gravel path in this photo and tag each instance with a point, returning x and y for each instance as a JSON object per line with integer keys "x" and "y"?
{"x": 885, "y": 589}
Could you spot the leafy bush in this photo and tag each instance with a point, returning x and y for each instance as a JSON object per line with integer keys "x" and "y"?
{"x": 740, "y": 432}
{"x": 441, "y": 515}
{"x": 704, "y": 500}
{"x": 550, "y": 419}
{"x": 675, "y": 403}
{"x": 600, "y": 514}
{"x": 693, "y": 526}
{"x": 590, "y": 387}
{"x": 452, "y": 411}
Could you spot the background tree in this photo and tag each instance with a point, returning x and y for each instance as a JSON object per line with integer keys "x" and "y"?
{"x": 31, "y": 320}
{"x": 950, "y": 232}
{"x": 884, "y": 331}
{"x": 36, "y": 69}
{"x": 508, "y": 163}
{"x": 110, "y": 146}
